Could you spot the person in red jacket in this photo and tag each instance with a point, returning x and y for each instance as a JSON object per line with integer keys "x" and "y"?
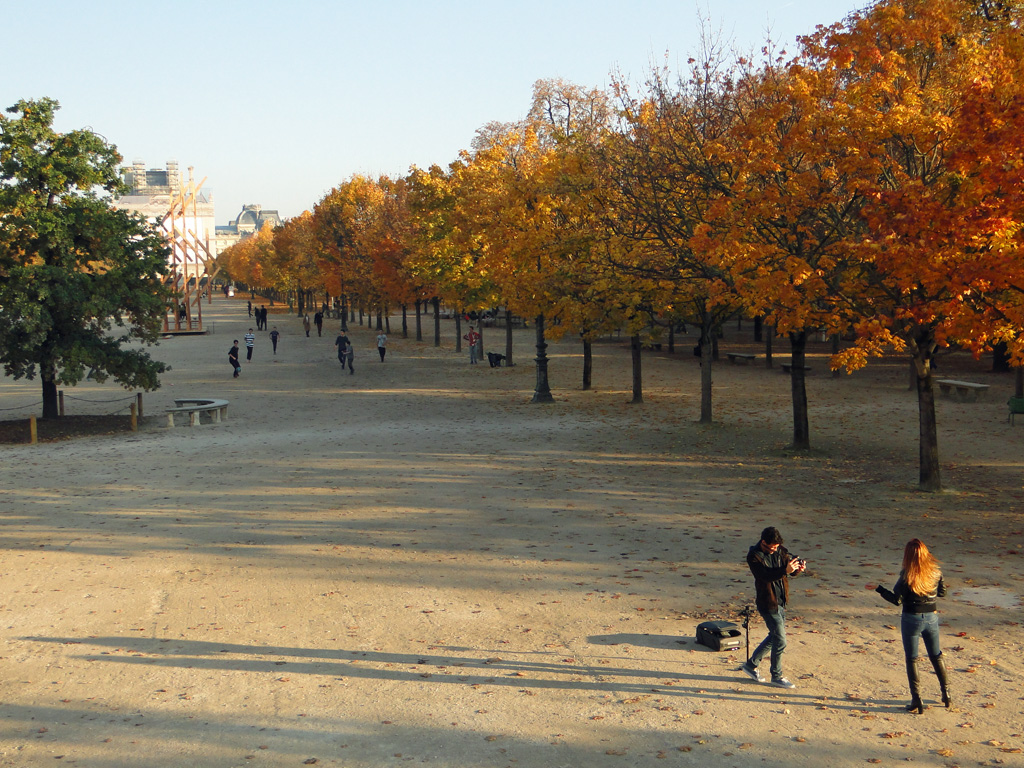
{"x": 474, "y": 339}
{"x": 772, "y": 565}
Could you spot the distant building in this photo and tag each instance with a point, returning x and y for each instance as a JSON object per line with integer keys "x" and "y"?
{"x": 249, "y": 222}
{"x": 153, "y": 191}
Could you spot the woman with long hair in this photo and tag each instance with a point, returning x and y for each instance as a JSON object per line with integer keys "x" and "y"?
{"x": 917, "y": 590}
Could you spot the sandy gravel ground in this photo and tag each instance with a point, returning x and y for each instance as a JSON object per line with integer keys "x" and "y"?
{"x": 414, "y": 565}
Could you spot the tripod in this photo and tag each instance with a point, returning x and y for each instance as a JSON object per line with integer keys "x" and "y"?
{"x": 745, "y": 613}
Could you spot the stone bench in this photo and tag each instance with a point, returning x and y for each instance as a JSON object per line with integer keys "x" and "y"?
{"x": 740, "y": 357}
{"x": 961, "y": 390}
{"x": 218, "y": 410}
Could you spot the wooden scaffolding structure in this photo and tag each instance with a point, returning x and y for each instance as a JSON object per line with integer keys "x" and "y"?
{"x": 190, "y": 262}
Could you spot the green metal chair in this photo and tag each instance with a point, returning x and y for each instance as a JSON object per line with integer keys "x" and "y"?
{"x": 1016, "y": 405}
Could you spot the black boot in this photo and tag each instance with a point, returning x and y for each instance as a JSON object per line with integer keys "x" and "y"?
{"x": 915, "y": 704}
{"x": 940, "y": 672}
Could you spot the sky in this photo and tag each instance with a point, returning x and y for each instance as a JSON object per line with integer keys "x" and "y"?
{"x": 275, "y": 103}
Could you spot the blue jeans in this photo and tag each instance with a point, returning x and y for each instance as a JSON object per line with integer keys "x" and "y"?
{"x": 923, "y": 625}
{"x": 775, "y": 642}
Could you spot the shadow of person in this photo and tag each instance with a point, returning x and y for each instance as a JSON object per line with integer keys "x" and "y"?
{"x": 666, "y": 642}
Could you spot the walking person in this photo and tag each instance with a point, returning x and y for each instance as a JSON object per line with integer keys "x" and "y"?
{"x": 249, "y": 303}
{"x": 772, "y": 565}
{"x": 345, "y": 351}
{"x": 473, "y": 338}
{"x": 250, "y": 342}
{"x": 382, "y": 343}
{"x": 918, "y": 588}
{"x": 274, "y": 336}
{"x": 305, "y": 324}
{"x": 233, "y": 358}
{"x": 318, "y": 321}
{"x": 262, "y": 324}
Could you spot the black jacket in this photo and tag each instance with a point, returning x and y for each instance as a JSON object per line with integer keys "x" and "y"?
{"x": 771, "y": 583}
{"x": 911, "y": 601}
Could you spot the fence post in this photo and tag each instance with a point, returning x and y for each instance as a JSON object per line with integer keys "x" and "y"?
{"x": 135, "y": 418}
{"x": 138, "y": 400}
{"x": 33, "y": 434}
{"x": 60, "y": 402}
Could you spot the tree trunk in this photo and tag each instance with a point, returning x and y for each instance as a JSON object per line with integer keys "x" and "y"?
{"x": 588, "y": 364}
{"x": 419, "y": 322}
{"x": 929, "y": 476}
{"x": 508, "y": 337}
{"x": 798, "y": 386}
{"x": 405, "y": 321}
{"x": 705, "y": 370}
{"x": 758, "y": 328}
{"x": 380, "y": 319}
{"x": 638, "y": 379}
{"x": 51, "y": 409}
{"x": 1001, "y": 358}
{"x": 436, "y": 301}
{"x": 671, "y": 337}
{"x": 768, "y": 336}
{"x": 542, "y": 394}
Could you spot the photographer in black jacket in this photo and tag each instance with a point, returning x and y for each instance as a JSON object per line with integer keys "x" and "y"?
{"x": 772, "y": 565}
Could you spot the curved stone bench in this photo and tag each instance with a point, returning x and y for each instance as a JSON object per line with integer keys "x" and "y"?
{"x": 194, "y": 406}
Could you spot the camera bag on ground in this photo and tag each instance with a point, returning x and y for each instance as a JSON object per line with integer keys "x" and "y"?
{"x": 719, "y": 635}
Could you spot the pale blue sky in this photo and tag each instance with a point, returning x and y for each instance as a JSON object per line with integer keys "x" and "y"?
{"x": 275, "y": 103}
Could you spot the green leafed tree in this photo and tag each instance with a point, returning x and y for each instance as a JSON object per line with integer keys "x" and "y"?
{"x": 81, "y": 284}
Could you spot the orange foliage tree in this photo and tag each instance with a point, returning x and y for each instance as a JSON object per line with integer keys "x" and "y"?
{"x": 932, "y": 106}
{"x": 294, "y": 259}
{"x": 667, "y": 167}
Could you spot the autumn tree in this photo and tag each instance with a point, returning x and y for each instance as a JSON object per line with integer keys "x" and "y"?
{"x": 78, "y": 279}
{"x": 503, "y": 199}
{"x": 294, "y": 259}
{"x": 391, "y": 242}
{"x": 339, "y": 223}
{"x": 244, "y": 261}
{"x": 593, "y": 295}
{"x": 782, "y": 227}
{"x": 932, "y": 105}
{"x": 667, "y": 168}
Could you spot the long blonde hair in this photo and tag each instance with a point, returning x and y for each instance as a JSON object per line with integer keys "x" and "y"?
{"x": 920, "y": 568}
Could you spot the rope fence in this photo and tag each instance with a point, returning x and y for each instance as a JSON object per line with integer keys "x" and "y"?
{"x": 20, "y": 407}
{"x": 133, "y": 405}
{"x": 84, "y": 400}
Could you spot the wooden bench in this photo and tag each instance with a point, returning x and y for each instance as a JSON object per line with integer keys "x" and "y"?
{"x": 788, "y": 368}
{"x": 218, "y": 410}
{"x": 740, "y": 357}
{"x": 961, "y": 390}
